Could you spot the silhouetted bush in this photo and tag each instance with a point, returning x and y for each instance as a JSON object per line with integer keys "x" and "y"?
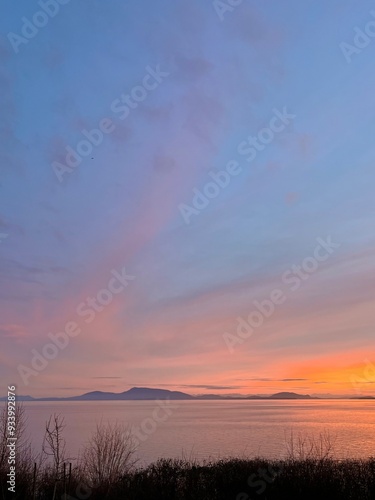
{"x": 231, "y": 479}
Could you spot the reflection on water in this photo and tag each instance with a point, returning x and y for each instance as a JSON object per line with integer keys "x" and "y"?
{"x": 204, "y": 429}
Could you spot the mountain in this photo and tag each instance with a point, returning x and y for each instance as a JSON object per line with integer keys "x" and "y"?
{"x": 289, "y": 395}
{"x": 149, "y": 394}
{"x": 96, "y": 396}
{"x": 133, "y": 394}
{"x": 213, "y": 396}
{"x": 19, "y": 398}
{"x": 146, "y": 393}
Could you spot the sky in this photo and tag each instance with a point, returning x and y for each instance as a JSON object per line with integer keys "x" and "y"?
{"x": 166, "y": 166}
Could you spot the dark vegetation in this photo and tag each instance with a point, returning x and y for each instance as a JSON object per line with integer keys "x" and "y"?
{"x": 106, "y": 469}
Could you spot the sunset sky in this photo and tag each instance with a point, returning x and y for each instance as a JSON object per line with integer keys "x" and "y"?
{"x": 205, "y": 80}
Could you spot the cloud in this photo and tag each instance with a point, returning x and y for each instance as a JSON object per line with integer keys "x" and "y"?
{"x": 262, "y": 379}
{"x": 54, "y": 58}
{"x": 13, "y": 331}
{"x": 192, "y": 68}
{"x": 11, "y": 145}
{"x": 203, "y": 386}
{"x": 204, "y": 115}
{"x": 121, "y": 134}
{"x": 3, "y": 224}
{"x": 108, "y": 378}
{"x": 157, "y": 114}
{"x": 291, "y": 198}
{"x": 248, "y": 24}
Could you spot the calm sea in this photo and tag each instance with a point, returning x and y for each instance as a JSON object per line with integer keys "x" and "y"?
{"x": 216, "y": 429}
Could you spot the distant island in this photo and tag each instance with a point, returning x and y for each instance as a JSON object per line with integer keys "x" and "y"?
{"x": 147, "y": 394}
{"x": 150, "y": 394}
{"x": 290, "y": 395}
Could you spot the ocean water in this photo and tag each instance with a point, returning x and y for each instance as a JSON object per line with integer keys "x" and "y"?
{"x": 215, "y": 429}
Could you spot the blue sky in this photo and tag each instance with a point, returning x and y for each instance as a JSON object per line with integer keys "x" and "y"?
{"x": 120, "y": 206}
